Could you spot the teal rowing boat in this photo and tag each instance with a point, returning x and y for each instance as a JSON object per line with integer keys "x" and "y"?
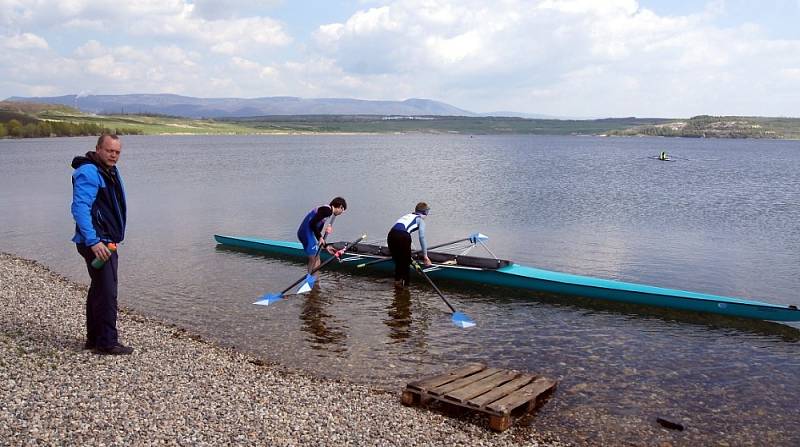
{"x": 493, "y": 271}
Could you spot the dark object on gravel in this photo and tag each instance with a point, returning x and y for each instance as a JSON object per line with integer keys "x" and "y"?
{"x": 117, "y": 349}
{"x": 669, "y": 424}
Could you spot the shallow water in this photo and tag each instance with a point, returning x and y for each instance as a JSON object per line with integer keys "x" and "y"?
{"x": 721, "y": 218}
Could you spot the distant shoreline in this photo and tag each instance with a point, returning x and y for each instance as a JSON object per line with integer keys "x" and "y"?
{"x": 283, "y": 134}
{"x": 37, "y": 120}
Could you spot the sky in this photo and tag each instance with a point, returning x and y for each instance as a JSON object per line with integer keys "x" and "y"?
{"x": 565, "y": 58}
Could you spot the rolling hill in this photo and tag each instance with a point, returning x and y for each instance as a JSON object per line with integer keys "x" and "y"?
{"x": 190, "y": 107}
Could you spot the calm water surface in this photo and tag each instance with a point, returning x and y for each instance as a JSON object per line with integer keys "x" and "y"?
{"x": 722, "y": 218}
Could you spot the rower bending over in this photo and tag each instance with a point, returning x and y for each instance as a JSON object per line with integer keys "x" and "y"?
{"x": 399, "y": 242}
{"x": 313, "y": 226}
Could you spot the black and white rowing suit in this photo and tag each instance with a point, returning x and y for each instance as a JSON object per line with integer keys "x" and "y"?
{"x": 399, "y": 242}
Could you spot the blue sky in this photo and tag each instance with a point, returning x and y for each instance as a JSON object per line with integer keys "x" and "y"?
{"x": 580, "y": 58}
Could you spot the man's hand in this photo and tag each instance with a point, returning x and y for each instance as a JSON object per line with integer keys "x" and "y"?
{"x": 427, "y": 261}
{"x": 330, "y": 249}
{"x": 101, "y": 251}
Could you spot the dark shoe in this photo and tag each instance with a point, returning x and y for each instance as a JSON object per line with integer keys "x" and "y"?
{"x": 117, "y": 349}
{"x": 89, "y": 345}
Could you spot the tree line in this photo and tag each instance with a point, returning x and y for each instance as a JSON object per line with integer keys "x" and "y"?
{"x": 43, "y": 129}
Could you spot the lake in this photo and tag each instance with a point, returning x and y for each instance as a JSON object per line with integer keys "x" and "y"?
{"x": 721, "y": 218}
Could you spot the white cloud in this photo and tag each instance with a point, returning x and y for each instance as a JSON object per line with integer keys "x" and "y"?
{"x": 90, "y": 49}
{"x": 107, "y": 67}
{"x": 149, "y": 19}
{"x": 216, "y": 9}
{"x": 561, "y": 57}
{"x": 791, "y": 74}
{"x": 610, "y": 8}
{"x": 24, "y": 41}
{"x": 245, "y": 64}
{"x": 577, "y": 57}
{"x": 234, "y": 36}
{"x": 457, "y": 48}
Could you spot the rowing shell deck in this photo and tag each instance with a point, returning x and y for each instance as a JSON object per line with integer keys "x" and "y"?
{"x": 504, "y": 395}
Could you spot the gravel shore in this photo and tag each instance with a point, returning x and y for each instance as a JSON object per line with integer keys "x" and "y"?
{"x": 178, "y": 389}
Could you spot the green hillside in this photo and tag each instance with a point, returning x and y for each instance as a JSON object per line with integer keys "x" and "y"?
{"x": 440, "y": 124}
{"x": 24, "y": 120}
{"x": 30, "y": 120}
{"x": 705, "y": 126}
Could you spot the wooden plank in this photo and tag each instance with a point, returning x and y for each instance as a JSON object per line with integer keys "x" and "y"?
{"x": 507, "y": 404}
{"x": 408, "y": 398}
{"x": 441, "y": 379}
{"x": 482, "y": 386}
{"x": 462, "y": 382}
{"x": 501, "y": 394}
{"x": 499, "y": 423}
{"x": 501, "y": 391}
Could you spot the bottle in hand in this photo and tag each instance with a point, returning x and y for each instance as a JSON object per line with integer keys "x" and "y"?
{"x": 97, "y": 262}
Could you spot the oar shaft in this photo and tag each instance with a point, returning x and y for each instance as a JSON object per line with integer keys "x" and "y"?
{"x": 378, "y": 261}
{"x": 448, "y": 243}
{"x": 283, "y": 292}
{"x": 347, "y": 246}
{"x": 439, "y": 292}
{"x": 374, "y": 261}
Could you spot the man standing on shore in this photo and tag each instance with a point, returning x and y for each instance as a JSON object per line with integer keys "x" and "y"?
{"x": 99, "y": 210}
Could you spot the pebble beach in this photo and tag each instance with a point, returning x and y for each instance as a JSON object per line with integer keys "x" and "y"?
{"x": 178, "y": 389}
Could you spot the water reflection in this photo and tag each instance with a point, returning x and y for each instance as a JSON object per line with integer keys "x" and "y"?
{"x": 399, "y": 311}
{"x": 408, "y": 322}
{"x": 325, "y": 331}
{"x": 501, "y": 296}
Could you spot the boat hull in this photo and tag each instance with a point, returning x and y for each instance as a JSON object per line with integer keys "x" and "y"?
{"x": 529, "y": 278}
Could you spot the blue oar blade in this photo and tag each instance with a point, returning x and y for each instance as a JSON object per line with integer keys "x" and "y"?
{"x": 308, "y": 283}
{"x": 462, "y": 320}
{"x": 269, "y": 298}
{"x": 478, "y": 237}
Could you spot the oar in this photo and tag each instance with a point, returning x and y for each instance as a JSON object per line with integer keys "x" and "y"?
{"x": 373, "y": 262}
{"x": 459, "y": 319}
{"x": 271, "y": 298}
{"x": 474, "y": 238}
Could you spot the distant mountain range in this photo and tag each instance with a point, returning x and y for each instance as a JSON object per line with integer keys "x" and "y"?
{"x": 190, "y": 107}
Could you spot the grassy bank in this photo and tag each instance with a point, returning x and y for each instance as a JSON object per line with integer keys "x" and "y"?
{"x": 37, "y": 120}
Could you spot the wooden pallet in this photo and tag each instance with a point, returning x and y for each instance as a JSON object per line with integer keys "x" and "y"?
{"x": 502, "y": 394}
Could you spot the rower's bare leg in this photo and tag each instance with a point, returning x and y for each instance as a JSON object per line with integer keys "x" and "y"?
{"x": 313, "y": 263}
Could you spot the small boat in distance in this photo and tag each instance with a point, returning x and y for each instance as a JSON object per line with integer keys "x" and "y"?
{"x": 499, "y": 272}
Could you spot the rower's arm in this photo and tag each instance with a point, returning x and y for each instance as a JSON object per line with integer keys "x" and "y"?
{"x": 330, "y": 224}
{"x": 423, "y": 246}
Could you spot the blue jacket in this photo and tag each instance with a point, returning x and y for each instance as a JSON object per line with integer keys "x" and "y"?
{"x": 98, "y": 202}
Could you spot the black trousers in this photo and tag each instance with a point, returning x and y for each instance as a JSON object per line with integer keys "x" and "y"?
{"x": 101, "y": 302}
{"x": 400, "y": 246}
